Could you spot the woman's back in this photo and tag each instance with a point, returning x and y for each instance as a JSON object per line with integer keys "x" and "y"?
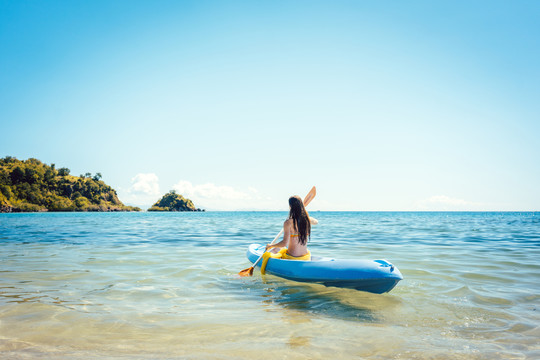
{"x": 296, "y": 230}
{"x": 296, "y": 247}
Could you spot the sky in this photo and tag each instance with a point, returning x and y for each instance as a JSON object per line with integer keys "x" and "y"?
{"x": 383, "y": 105}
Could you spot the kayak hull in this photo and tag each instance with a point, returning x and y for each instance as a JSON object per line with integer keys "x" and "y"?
{"x": 375, "y": 276}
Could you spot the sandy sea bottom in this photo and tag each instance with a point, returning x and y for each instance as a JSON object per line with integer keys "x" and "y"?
{"x": 153, "y": 286}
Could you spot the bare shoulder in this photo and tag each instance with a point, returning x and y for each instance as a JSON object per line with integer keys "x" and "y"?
{"x": 287, "y": 223}
{"x": 313, "y": 221}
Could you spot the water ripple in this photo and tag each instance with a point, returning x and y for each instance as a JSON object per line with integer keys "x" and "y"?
{"x": 148, "y": 282}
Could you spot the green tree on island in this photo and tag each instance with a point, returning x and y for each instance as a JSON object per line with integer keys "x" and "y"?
{"x": 173, "y": 202}
{"x": 30, "y": 185}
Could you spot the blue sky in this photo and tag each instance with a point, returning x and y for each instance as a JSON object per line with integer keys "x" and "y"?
{"x": 383, "y": 105}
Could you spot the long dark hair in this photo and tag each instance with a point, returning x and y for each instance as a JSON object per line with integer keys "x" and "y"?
{"x": 300, "y": 218}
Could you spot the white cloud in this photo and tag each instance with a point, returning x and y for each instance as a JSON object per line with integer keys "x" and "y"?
{"x": 446, "y": 203}
{"x": 144, "y": 190}
{"x": 147, "y": 184}
{"x": 222, "y": 197}
{"x": 209, "y": 191}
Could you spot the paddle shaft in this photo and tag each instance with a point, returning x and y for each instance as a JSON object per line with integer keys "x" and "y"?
{"x": 273, "y": 241}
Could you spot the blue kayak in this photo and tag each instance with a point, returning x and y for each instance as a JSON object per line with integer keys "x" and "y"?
{"x": 375, "y": 276}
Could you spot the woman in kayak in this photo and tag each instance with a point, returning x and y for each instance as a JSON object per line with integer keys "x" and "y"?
{"x": 296, "y": 232}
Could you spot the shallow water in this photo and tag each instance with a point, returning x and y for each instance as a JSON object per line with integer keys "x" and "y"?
{"x": 165, "y": 285}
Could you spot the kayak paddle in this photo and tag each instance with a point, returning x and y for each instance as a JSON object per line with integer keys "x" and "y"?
{"x": 307, "y": 200}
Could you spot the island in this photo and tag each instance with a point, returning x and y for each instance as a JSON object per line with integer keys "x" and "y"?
{"x": 173, "y": 202}
{"x": 32, "y": 186}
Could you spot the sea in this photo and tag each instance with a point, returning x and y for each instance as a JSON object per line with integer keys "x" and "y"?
{"x": 166, "y": 286}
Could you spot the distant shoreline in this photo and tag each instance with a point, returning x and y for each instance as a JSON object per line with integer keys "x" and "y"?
{"x": 33, "y": 186}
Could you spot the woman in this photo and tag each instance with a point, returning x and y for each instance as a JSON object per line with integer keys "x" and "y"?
{"x": 297, "y": 229}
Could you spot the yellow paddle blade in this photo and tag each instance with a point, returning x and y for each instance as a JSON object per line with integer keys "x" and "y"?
{"x": 311, "y": 194}
{"x": 246, "y": 272}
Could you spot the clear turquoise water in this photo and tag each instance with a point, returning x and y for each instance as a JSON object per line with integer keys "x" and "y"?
{"x": 165, "y": 285}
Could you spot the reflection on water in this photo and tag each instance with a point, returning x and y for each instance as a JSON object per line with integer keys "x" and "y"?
{"x": 344, "y": 304}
